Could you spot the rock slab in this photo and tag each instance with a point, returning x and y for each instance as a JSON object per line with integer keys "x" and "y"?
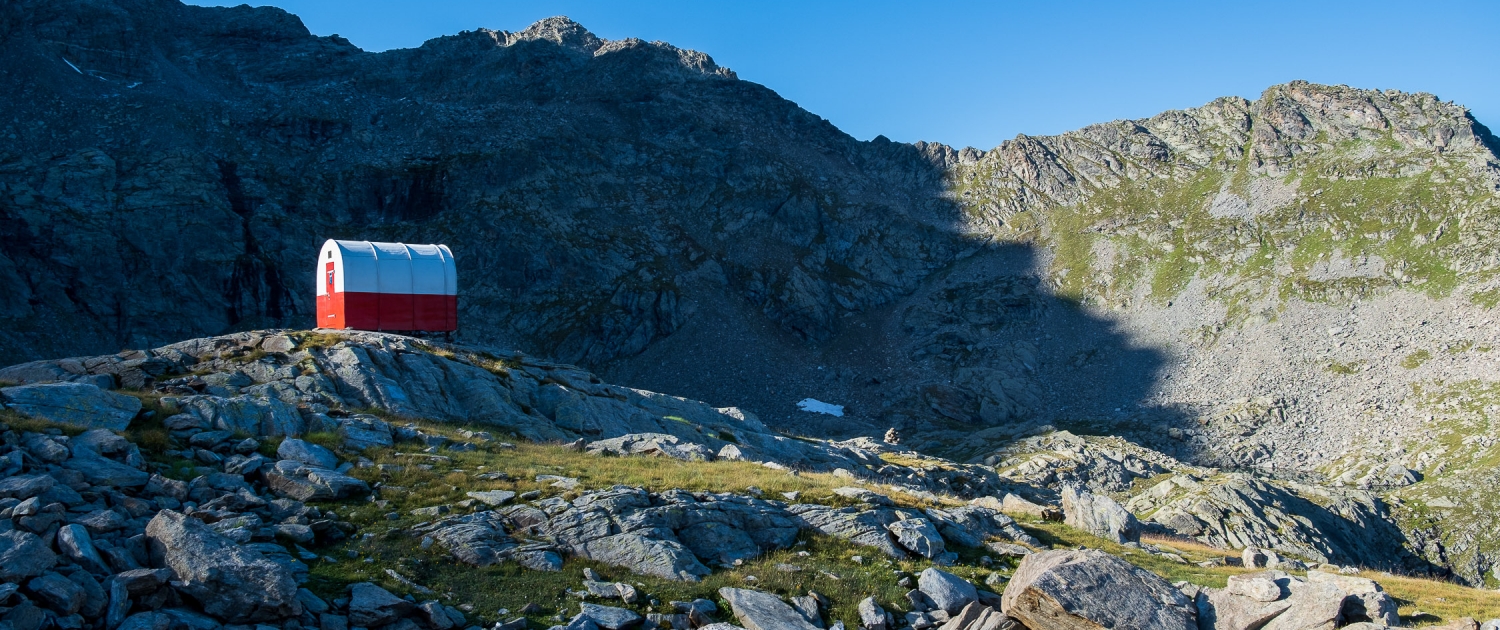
{"x": 1090, "y": 589}
{"x": 232, "y": 583}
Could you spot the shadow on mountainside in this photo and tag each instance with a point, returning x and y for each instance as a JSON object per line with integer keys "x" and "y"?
{"x": 628, "y": 206}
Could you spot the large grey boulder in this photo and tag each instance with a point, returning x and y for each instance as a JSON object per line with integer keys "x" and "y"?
{"x": 23, "y": 555}
{"x": 872, "y": 616}
{"x": 25, "y": 486}
{"x": 649, "y": 556}
{"x": 364, "y": 431}
{"x": 308, "y": 453}
{"x": 757, "y": 610}
{"x": 607, "y": 617}
{"x": 977, "y": 616}
{"x": 74, "y": 542}
{"x": 1099, "y": 515}
{"x": 1222, "y": 609}
{"x": 59, "y": 593}
{"x": 233, "y": 584}
{"x": 492, "y": 498}
{"x": 721, "y": 543}
{"x": 254, "y": 415}
{"x": 971, "y": 525}
{"x": 1090, "y": 589}
{"x": 919, "y": 536}
{"x": 78, "y": 404}
{"x": 370, "y": 606}
{"x": 1364, "y": 598}
{"x": 1311, "y": 606}
{"x": 93, "y": 453}
{"x": 1260, "y": 587}
{"x": 305, "y": 483}
{"x": 1273, "y": 599}
{"x": 947, "y": 591}
{"x": 860, "y": 526}
{"x": 479, "y": 539}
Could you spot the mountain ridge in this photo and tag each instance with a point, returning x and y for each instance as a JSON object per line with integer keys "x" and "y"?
{"x": 1242, "y": 284}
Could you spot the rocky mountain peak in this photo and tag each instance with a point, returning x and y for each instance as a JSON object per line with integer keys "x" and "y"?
{"x": 562, "y": 31}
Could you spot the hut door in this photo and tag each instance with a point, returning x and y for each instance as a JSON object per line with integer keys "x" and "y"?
{"x": 329, "y": 273}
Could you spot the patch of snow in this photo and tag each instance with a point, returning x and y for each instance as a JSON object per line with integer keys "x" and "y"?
{"x": 813, "y": 405}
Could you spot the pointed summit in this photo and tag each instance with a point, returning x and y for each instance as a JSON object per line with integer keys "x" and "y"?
{"x": 562, "y": 31}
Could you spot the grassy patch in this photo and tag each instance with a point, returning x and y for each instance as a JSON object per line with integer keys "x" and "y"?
{"x": 826, "y": 565}
{"x": 315, "y": 339}
{"x": 1415, "y": 359}
{"x": 23, "y": 424}
{"x": 1346, "y": 369}
{"x": 326, "y": 439}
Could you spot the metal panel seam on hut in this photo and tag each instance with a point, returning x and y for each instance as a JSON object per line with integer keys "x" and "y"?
{"x": 387, "y": 286}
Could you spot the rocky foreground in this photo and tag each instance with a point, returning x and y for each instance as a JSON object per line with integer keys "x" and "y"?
{"x": 227, "y": 508}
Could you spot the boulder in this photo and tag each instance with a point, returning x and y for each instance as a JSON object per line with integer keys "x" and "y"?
{"x": 918, "y": 535}
{"x": 756, "y": 610}
{"x": 978, "y": 616}
{"x": 1377, "y": 607}
{"x": 947, "y": 591}
{"x": 23, "y": 555}
{"x": 101, "y": 471}
{"x": 1099, "y": 515}
{"x": 1090, "y": 589}
{"x": 720, "y": 543}
{"x": 304, "y": 483}
{"x": 1257, "y": 587}
{"x": 475, "y": 539}
{"x": 370, "y": 606}
{"x": 307, "y": 453}
{"x": 1254, "y": 558}
{"x": 492, "y": 498}
{"x": 60, "y": 594}
{"x": 233, "y": 584}
{"x": 1014, "y": 504}
{"x": 140, "y": 582}
{"x": 25, "y": 486}
{"x": 1311, "y": 606}
{"x": 254, "y": 415}
{"x": 860, "y": 526}
{"x": 74, "y": 543}
{"x": 364, "y": 431}
{"x": 649, "y": 556}
{"x": 1222, "y": 610}
{"x": 871, "y": 615}
{"x": 607, "y": 617}
{"x": 78, "y": 404}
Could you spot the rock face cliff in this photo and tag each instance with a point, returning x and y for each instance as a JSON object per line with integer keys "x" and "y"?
{"x": 1299, "y": 284}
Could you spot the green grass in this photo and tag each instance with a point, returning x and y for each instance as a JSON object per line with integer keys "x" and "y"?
{"x": 1426, "y": 217}
{"x": 1488, "y": 298}
{"x": 828, "y": 566}
{"x": 21, "y": 423}
{"x": 1346, "y": 369}
{"x": 1415, "y": 359}
{"x": 326, "y": 439}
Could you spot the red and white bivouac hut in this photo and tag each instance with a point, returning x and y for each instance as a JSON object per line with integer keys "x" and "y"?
{"x": 387, "y": 286}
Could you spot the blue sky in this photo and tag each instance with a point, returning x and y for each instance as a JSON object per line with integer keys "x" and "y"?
{"x": 978, "y": 73}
